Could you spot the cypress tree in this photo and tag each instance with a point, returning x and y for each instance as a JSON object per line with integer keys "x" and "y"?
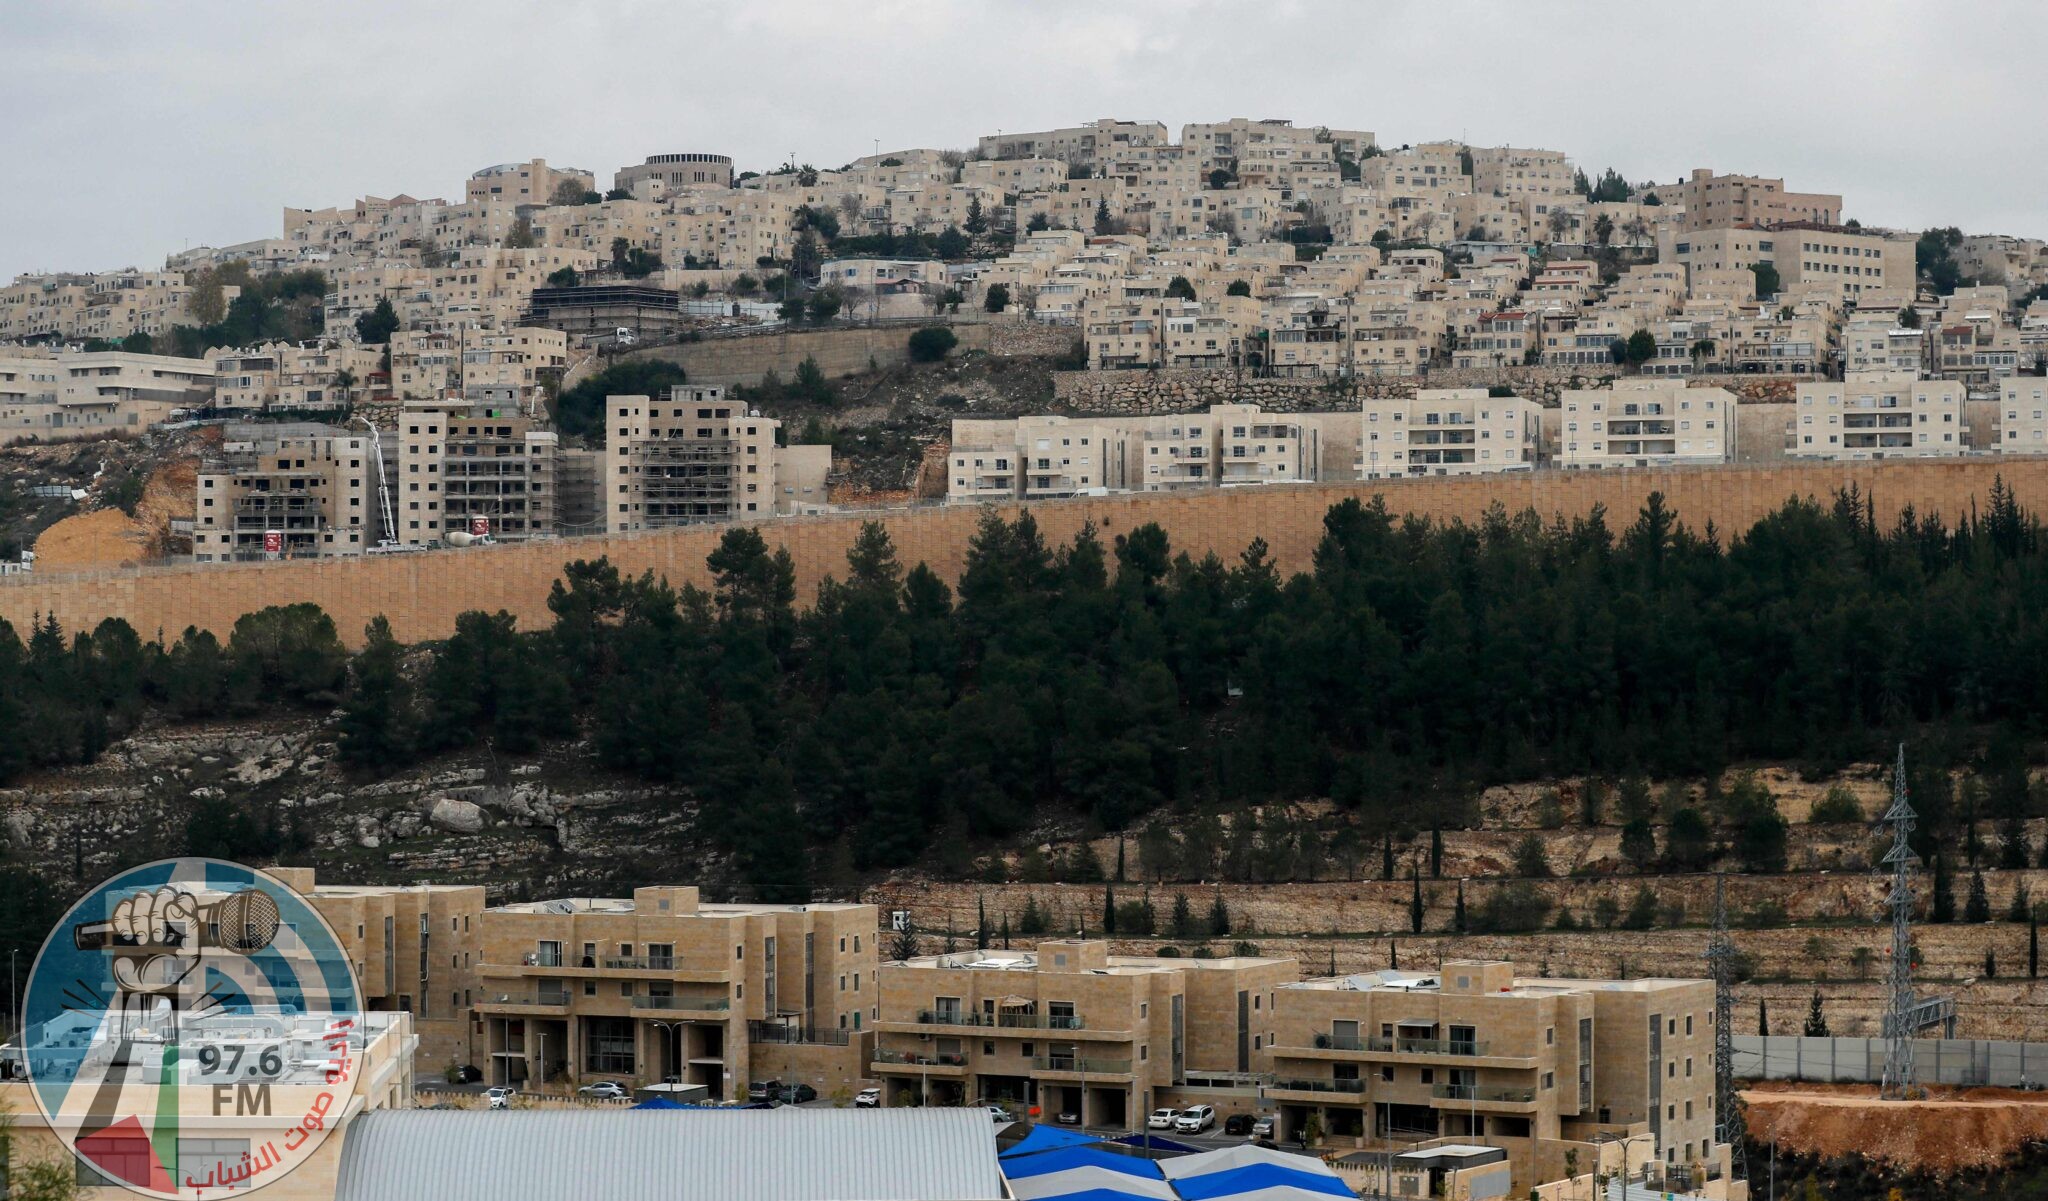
{"x": 1942, "y": 908}
{"x": 1109, "y": 908}
{"x": 1763, "y": 1022}
{"x": 1436, "y": 853}
{"x": 1415, "y": 902}
{"x": 1458, "y": 915}
{"x": 980, "y": 924}
{"x": 2033, "y": 947}
{"x": 1387, "y": 857}
{"x": 1978, "y": 907}
{"x": 1006, "y": 931}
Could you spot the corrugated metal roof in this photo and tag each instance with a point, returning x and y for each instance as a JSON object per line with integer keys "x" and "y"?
{"x": 788, "y": 1154}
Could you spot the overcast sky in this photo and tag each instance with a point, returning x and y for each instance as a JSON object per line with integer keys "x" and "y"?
{"x": 130, "y": 130}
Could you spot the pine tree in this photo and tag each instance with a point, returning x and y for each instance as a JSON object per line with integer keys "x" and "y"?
{"x": 2012, "y": 845}
{"x": 2022, "y": 907}
{"x": 1436, "y": 853}
{"x": 1991, "y": 965}
{"x": 1219, "y": 917}
{"x": 1183, "y": 917}
{"x": 903, "y": 943}
{"x": 376, "y": 718}
{"x": 1415, "y": 902}
{"x": 1109, "y": 908}
{"x": 1978, "y": 907}
{"x": 1816, "y": 1021}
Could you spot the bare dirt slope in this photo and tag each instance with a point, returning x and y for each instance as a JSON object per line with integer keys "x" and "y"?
{"x": 1952, "y": 1130}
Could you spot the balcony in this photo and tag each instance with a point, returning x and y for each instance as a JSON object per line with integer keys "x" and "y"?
{"x": 544, "y": 1002}
{"x": 1430, "y": 1046}
{"x": 1318, "y": 1086}
{"x": 951, "y": 1064}
{"x": 1016, "y": 1021}
{"x": 697, "y": 1004}
{"x": 1081, "y": 1065}
{"x": 640, "y": 963}
{"x": 1452, "y": 1095}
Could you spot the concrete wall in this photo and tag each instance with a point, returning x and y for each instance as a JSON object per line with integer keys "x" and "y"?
{"x": 1964, "y": 1061}
{"x": 421, "y": 593}
{"x": 838, "y": 351}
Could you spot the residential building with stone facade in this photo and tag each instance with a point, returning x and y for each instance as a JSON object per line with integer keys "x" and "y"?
{"x": 1068, "y": 1028}
{"x": 78, "y": 394}
{"x": 1446, "y": 431}
{"x": 661, "y": 986}
{"x": 1473, "y": 1053}
{"x": 1644, "y": 423}
{"x": 2023, "y": 415}
{"x": 1879, "y": 415}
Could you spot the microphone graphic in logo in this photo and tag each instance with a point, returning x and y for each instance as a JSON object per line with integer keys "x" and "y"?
{"x": 194, "y": 995}
{"x": 157, "y": 936}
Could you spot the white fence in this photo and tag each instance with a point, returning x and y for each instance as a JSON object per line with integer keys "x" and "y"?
{"x": 1861, "y": 1060}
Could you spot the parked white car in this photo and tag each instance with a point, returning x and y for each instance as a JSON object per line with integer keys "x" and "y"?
{"x": 1195, "y": 1119}
{"x": 1161, "y": 1119}
{"x": 498, "y": 1098}
{"x": 868, "y": 1098}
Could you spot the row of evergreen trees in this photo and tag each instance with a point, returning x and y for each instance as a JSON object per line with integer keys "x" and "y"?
{"x": 1410, "y": 664}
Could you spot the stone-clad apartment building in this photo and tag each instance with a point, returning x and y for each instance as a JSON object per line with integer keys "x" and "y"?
{"x": 662, "y": 986}
{"x": 1068, "y": 1028}
{"x": 1474, "y": 1054}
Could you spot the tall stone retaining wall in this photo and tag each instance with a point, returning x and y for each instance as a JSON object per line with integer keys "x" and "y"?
{"x": 422, "y": 593}
{"x": 839, "y": 351}
{"x": 1180, "y": 390}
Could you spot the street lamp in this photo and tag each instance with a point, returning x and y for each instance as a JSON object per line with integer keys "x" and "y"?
{"x": 672, "y": 1029}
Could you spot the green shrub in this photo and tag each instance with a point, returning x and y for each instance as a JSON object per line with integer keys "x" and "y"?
{"x": 930, "y": 344}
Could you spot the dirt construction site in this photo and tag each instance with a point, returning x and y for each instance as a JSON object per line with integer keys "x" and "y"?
{"x": 1951, "y": 1130}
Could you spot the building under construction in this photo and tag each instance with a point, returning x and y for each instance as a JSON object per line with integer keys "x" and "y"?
{"x": 695, "y": 456}
{"x": 285, "y": 491}
{"x": 473, "y": 467}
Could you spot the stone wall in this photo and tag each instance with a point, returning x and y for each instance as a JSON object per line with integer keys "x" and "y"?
{"x": 839, "y": 351}
{"x": 1009, "y": 337}
{"x": 421, "y": 593}
{"x": 1180, "y": 390}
